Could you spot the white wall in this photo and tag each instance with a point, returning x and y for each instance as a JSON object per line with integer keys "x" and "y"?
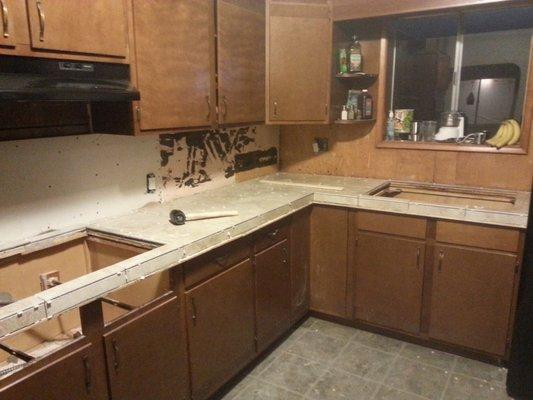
{"x": 54, "y": 183}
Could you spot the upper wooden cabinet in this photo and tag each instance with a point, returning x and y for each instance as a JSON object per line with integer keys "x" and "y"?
{"x": 12, "y": 13}
{"x": 96, "y": 27}
{"x": 241, "y": 60}
{"x": 299, "y": 41}
{"x": 173, "y": 55}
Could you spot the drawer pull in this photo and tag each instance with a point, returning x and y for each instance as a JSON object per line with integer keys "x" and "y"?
{"x": 88, "y": 374}
{"x": 273, "y": 234}
{"x": 275, "y": 109}
{"x": 116, "y": 359}
{"x": 193, "y": 306}
{"x": 41, "y": 20}
{"x": 5, "y": 18}
{"x": 222, "y": 261}
{"x": 441, "y": 258}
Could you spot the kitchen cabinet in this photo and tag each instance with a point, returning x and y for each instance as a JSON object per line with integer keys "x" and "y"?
{"x": 299, "y": 41}
{"x": 241, "y": 61}
{"x": 69, "y": 376}
{"x": 389, "y": 275}
{"x": 12, "y": 22}
{"x": 328, "y": 270}
{"x": 174, "y": 63}
{"x": 220, "y": 325}
{"x": 272, "y": 293}
{"x": 299, "y": 259}
{"x": 471, "y": 297}
{"x": 149, "y": 350}
{"x": 99, "y": 27}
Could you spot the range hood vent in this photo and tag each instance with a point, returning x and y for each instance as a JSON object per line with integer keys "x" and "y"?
{"x": 35, "y": 79}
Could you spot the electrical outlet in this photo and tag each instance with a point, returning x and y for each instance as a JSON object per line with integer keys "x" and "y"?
{"x": 49, "y": 279}
{"x": 320, "y": 145}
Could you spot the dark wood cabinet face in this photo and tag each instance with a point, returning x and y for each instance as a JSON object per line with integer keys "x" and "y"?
{"x": 220, "y": 324}
{"x": 329, "y": 251}
{"x": 388, "y": 281}
{"x": 272, "y": 293}
{"x": 471, "y": 297}
{"x": 241, "y": 60}
{"x": 69, "y": 377}
{"x": 146, "y": 357}
{"x": 299, "y": 258}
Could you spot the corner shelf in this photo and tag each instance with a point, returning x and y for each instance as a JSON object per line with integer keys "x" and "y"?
{"x": 353, "y": 121}
{"x": 360, "y": 79}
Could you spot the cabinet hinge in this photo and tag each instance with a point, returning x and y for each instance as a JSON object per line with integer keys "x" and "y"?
{"x": 138, "y": 113}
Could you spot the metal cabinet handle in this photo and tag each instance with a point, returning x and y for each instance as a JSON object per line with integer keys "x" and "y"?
{"x": 275, "y": 109}
{"x": 5, "y": 18}
{"x": 116, "y": 359}
{"x": 41, "y": 20}
{"x": 208, "y": 99}
{"x": 193, "y": 306}
{"x": 441, "y": 258}
{"x": 222, "y": 261}
{"x": 285, "y": 255}
{"x": 273, "y": 234}
{"x": 418, "y": 258}
{"x": 88, "y": 374}
{"x": 225, "y": 104}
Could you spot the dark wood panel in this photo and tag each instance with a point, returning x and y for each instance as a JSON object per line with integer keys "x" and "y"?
{"x": 471, "y": 298}
{"x": 241, "y": 60}
{"x": 388, "y": 281}
{"x": 220, "y": 324}
{"x": 272, "y": 294}
{"x": 174, "y": 51}
{"x": 149, "y": 350}
{"x": 272, "y": 234}
{"x": 392, "y": 224}
{"x": 488, "y": 237}
{"x": 328, "y": 270}
{"x": 300, "y": 252}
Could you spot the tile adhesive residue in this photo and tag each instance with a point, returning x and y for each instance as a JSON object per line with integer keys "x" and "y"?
{"x": 190, "y": 160}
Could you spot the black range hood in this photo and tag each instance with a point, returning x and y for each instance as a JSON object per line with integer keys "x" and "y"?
{"x": 36, "y": 79}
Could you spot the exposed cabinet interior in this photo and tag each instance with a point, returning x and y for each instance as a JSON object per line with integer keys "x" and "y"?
{"x": 298, "y": 62}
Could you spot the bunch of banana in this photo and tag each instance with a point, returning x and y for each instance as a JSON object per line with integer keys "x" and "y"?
{"x": 508, "y": 134}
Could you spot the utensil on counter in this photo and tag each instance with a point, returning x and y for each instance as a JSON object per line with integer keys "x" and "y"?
{"x": 178, "y": 217}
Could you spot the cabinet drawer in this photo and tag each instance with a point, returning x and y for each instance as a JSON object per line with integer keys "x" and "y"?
{"x": 271, "y": 235}
{"x": 504, "y": 239}
{"x": 214, "y": 262}
{"x": 391, "y": 224}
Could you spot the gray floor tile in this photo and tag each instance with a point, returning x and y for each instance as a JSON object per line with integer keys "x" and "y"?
{"x": 337, "y": 385}
{"x": 293, "y": 373}
{"x": 364, "y": 361}
{"x": 238, "y": 388}
{"x": 414, "y": 377}
{"x": 309, "y": 322}
{"x": 264, "y": 364}
{"x": 388, "y": 393}
{"x": 316, "y": 346}
{"x": 260, "y": 390}
{"x": 429, "y": 356}
{"x": 334, "y": 330}
{"x": 491, "y": 373}
{"x": 463, "y": 387}
{"x": 379, "y": 342}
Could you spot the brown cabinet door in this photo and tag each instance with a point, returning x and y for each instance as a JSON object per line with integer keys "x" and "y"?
{"x": 12, "y": 13}
{"x": 146, "y": 357}
{"x": 220, "y": 323}
{"x": 69, "y": 377}
{"x": 471, "y": 297}
{"x": 388, "y": 281}
{"x": 174, "y": 51}
{"x": 329, "y": 251}
{"x": 97, "y": 27}
{"x": 299, "y": 259}
{"x": 241, "y": 60}
{"x": 298, "y": 56}
{"x": 272, "y": 292}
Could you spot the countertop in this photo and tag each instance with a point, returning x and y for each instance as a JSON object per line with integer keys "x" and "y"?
{"x": 259, "y": 203}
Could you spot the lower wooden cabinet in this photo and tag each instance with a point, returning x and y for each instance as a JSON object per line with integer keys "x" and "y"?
{"x": 272, "y": 294}
{"x": 389, "y": 273}
{"x": 147, "y": 356}
{"x": 299, "y": 258}
{"x": 471, "y": 297}
{"x": 68, "y": 377}
{"x": 220, "y": 324}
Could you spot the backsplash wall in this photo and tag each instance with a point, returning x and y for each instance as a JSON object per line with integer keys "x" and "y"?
{"x": 54, "y": 183}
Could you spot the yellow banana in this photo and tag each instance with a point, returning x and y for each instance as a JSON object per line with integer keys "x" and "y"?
{"x": 507, "y": 134}
{"x": 493, "y": 140}
{"x": 517, "y": 132}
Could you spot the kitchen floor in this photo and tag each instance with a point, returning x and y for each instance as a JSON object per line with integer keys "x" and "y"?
{"x": 327, "y": 361}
